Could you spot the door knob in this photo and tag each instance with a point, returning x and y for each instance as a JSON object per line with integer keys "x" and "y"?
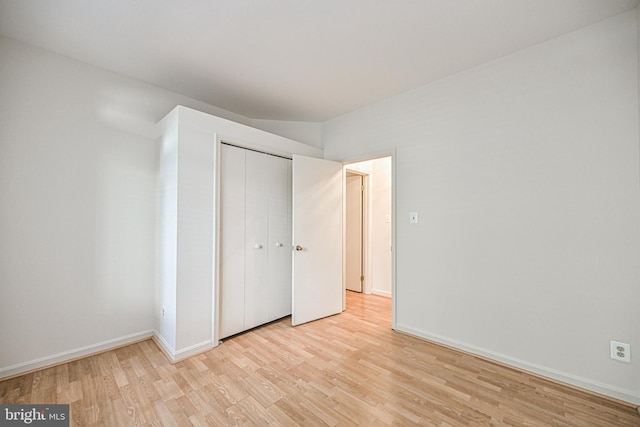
{"x": 298, "y": 248}
{"x": 279, "y": 245}
{"x": 258, "y": 246}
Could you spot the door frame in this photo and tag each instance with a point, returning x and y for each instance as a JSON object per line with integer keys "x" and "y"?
{"x": 366, "y": 230}
{"x": 373, "y": 156}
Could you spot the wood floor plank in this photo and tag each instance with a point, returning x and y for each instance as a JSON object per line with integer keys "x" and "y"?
{"x": 345, "y": 370}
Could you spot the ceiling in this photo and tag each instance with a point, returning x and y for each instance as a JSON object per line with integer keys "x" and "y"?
{"x": 303, "y": 60}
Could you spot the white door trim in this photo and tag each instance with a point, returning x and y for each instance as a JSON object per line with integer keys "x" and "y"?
{"x": 366, "y": 230}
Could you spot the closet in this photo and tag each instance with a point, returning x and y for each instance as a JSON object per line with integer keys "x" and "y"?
{"x": 255, "y": 239}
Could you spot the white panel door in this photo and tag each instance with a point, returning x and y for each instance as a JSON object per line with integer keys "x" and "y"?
{"x": 256, "y": 293}
{"x": 317, "y": 238}
{"x": 232, "y": 241}
{"x": 279, "y": 239}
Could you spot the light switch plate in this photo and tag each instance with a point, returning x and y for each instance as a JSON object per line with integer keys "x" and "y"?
{"x": 413, "y": 217}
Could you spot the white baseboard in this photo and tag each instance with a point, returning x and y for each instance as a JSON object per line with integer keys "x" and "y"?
{"x": 67, "y": 356}
{"x": 164, "y": 345}
{"x": 177, "y": 355}
{"x": 628, "y": 396}
{"x": 381, "y": 293}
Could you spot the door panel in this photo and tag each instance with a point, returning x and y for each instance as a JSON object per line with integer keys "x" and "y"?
{"x": 232, "y": 242}
{"x": 279, "y": 239}
{"x": 353, "y": 244}
{"x": 317, "y": 229}
{"x": 256, "y": 226}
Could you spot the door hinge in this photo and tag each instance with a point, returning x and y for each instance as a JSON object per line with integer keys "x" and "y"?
{"x": 362, "y": 278}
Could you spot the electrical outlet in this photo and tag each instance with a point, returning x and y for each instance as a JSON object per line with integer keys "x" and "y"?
{"x": 621, "y": 351}
{"x": 164, "y": 313}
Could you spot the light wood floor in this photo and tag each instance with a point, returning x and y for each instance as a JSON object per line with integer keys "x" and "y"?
{"x": 349, "y": 369}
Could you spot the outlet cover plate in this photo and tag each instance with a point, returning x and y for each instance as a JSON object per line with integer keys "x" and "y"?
{"x": 621, "y": 351}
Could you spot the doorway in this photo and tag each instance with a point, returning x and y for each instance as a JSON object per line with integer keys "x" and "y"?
{"x": 354, "y": 231}
{"x": 368, "y": 259}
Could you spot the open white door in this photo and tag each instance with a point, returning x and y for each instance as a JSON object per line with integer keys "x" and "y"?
{"x": 317, "y": 239}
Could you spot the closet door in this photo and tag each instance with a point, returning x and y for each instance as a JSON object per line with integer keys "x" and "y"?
{"x": 279, "y": 254}
{"x": 232, "y": 240}
{"x": 256, "y": 296}
{"x": 255, "y": 268}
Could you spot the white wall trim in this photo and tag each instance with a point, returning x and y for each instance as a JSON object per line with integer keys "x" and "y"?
{"x": 164, "y": 345}
{"x": 553, "y": 374}
{"x": 217, "y": 246}
{"x": 381, "y": 293}
{"x": 177, "y": 355}
{"x": 67, "y": 356}
{"x": 192, "y": 350}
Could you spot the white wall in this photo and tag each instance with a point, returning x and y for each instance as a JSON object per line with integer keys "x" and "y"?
{"x": 305, "y": 132}
{"x": 380, "y": 228}
{"x": 78, "y": 160}
{"x": 195, "y": 248}
{"x": 166, "y": 240}
{"x": 525, "y": 172}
